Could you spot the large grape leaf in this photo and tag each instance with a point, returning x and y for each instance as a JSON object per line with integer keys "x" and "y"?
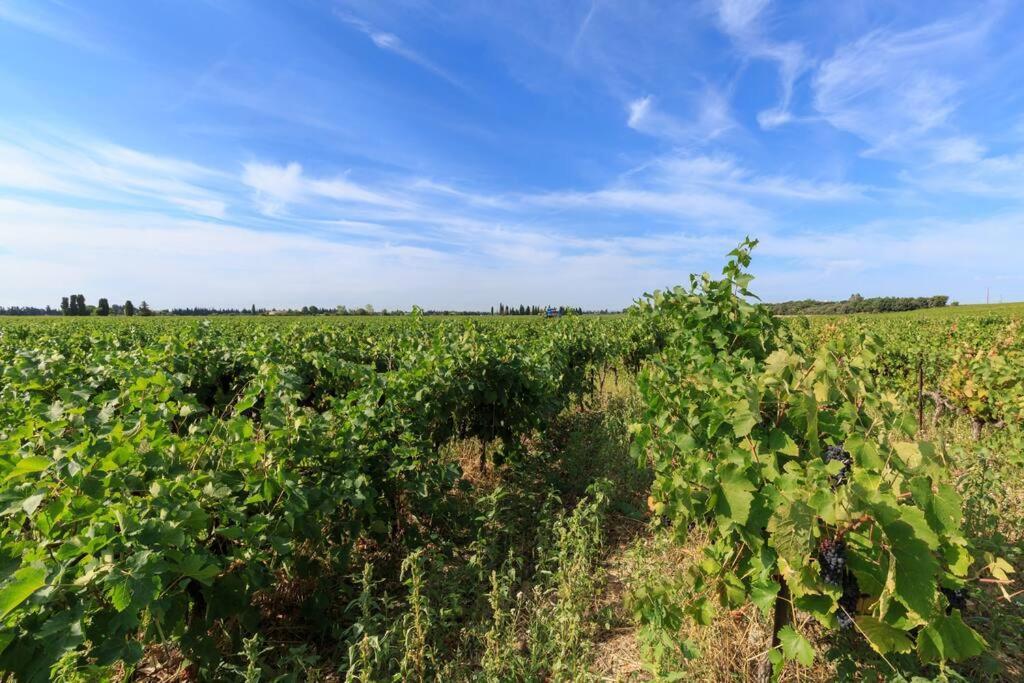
{"x": 29, "y": 465}
{"x": 795, "y": 646}
{"x": 943, "y": 507}
{"x": 949, "y": 638}
{"x": 734, "y": 496}
{"x": 882, "y": 637}
{"x": 22, "y": 585}
{"x": 947, "y": 508}
{"x": 781, "y": 442}
{"x": 790, "y": 528}
{"x": 763, "y": 594}
{"x": 914, "y": 568}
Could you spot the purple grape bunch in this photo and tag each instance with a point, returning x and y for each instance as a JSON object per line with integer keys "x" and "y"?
{"x": 838, "y": 454}
{"x": 956, "y": 597}
{"x": 832, "y": 560}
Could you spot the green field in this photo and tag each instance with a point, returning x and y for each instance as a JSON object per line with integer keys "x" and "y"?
{"x": 590, "y": 498}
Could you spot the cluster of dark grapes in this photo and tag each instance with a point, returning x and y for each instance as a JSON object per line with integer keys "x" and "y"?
{"x": 832, "y": 559}
{"x": 848, "y": 601}
{"x": 957, "y": 598}
{"x": 837, "y": 453}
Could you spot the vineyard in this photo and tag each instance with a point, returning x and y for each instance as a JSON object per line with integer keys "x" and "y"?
{"x": 416, "y": 498}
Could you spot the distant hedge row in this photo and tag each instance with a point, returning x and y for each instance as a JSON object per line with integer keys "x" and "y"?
{"x": 858, "y": 304}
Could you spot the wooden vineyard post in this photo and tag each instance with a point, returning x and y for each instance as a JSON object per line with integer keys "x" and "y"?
{"x": 920, "y": 394}
{"x": 783, "y": 616}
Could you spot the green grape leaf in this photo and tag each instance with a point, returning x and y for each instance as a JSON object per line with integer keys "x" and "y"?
{"x": 20, "y": 588}
{"x": 790, "y": 528}
{"x": 795, "y": 647}
{"x": 120, "y": 594}
{"x": 914, "y": 568}
{"x": 948, "y": 638}
{"x": 743, "y": 420}
{"x": 882, "y": 637}
{"x": 780, "y": 442}
{"x": 865, "y": 454}
{"x": 763, "y": 593}
{"x": 734, "y": 496}
{"x": 29, "y": 465}
{"x": 31, "y": 504}
{"x": 192, "y": 566}
{"x": 947, "y": 508}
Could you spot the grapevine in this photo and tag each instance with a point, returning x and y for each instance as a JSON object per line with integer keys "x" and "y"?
{"x": 806, "y": 472}
{"x": 158, "y": 476}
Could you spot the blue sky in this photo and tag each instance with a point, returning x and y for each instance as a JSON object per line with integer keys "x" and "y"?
{"x": 458, "y": 154}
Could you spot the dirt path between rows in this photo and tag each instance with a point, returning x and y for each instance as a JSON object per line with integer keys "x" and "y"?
{"x": 616, "y": 650}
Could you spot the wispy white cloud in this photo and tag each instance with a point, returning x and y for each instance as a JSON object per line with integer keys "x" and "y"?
{"x": 275, "y": 187}
{"x": 705, "y": 192}
{"x": 432, "y": 187}
{"x": 58, "y": 164}
{"x": 892, "y": 88}
{"x": 329, "y": 231}
{"x": 962, "y": 171}
{"x": 698, "y": 207}
{"x": 39, "y": 17}
{"x": 725, "y": 175}
{"x": 392, "y": 43}
{"x": 581, "y": 31}
{"x": 957, "y": 150}
{"x": 699, "y": 191}
{"x": 739, "y": 17}
{"x": 179, "y": 261}
{"x": 741, "y": 20}
{"x": 711, "y": 119}
{"x": 639, "y": 112}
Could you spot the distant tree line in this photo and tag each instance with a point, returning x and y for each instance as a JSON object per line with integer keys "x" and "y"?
{"x": 75, "y": 305}
{"x": 28, "y": 310}
{"x": 534, "y": 310}
{"x": 368, "y": 309}
{"x": 859, "y": 304}
{"x": 502, "y": 309}
{"x": 199, "y": 310}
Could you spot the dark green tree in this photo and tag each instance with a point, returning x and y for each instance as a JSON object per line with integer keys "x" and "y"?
{"x": 65, "y": 305}
{"x": 103, "y": 308}
{"x": 129, "y": 307}
{"x": 144, "y": 309}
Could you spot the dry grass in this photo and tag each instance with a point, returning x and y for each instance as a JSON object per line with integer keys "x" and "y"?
{"x": 731, "y": 648}
{"x": 617, "y": 654}
{"x": 164, "y": 664}
{"x": 475, "y": 469}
